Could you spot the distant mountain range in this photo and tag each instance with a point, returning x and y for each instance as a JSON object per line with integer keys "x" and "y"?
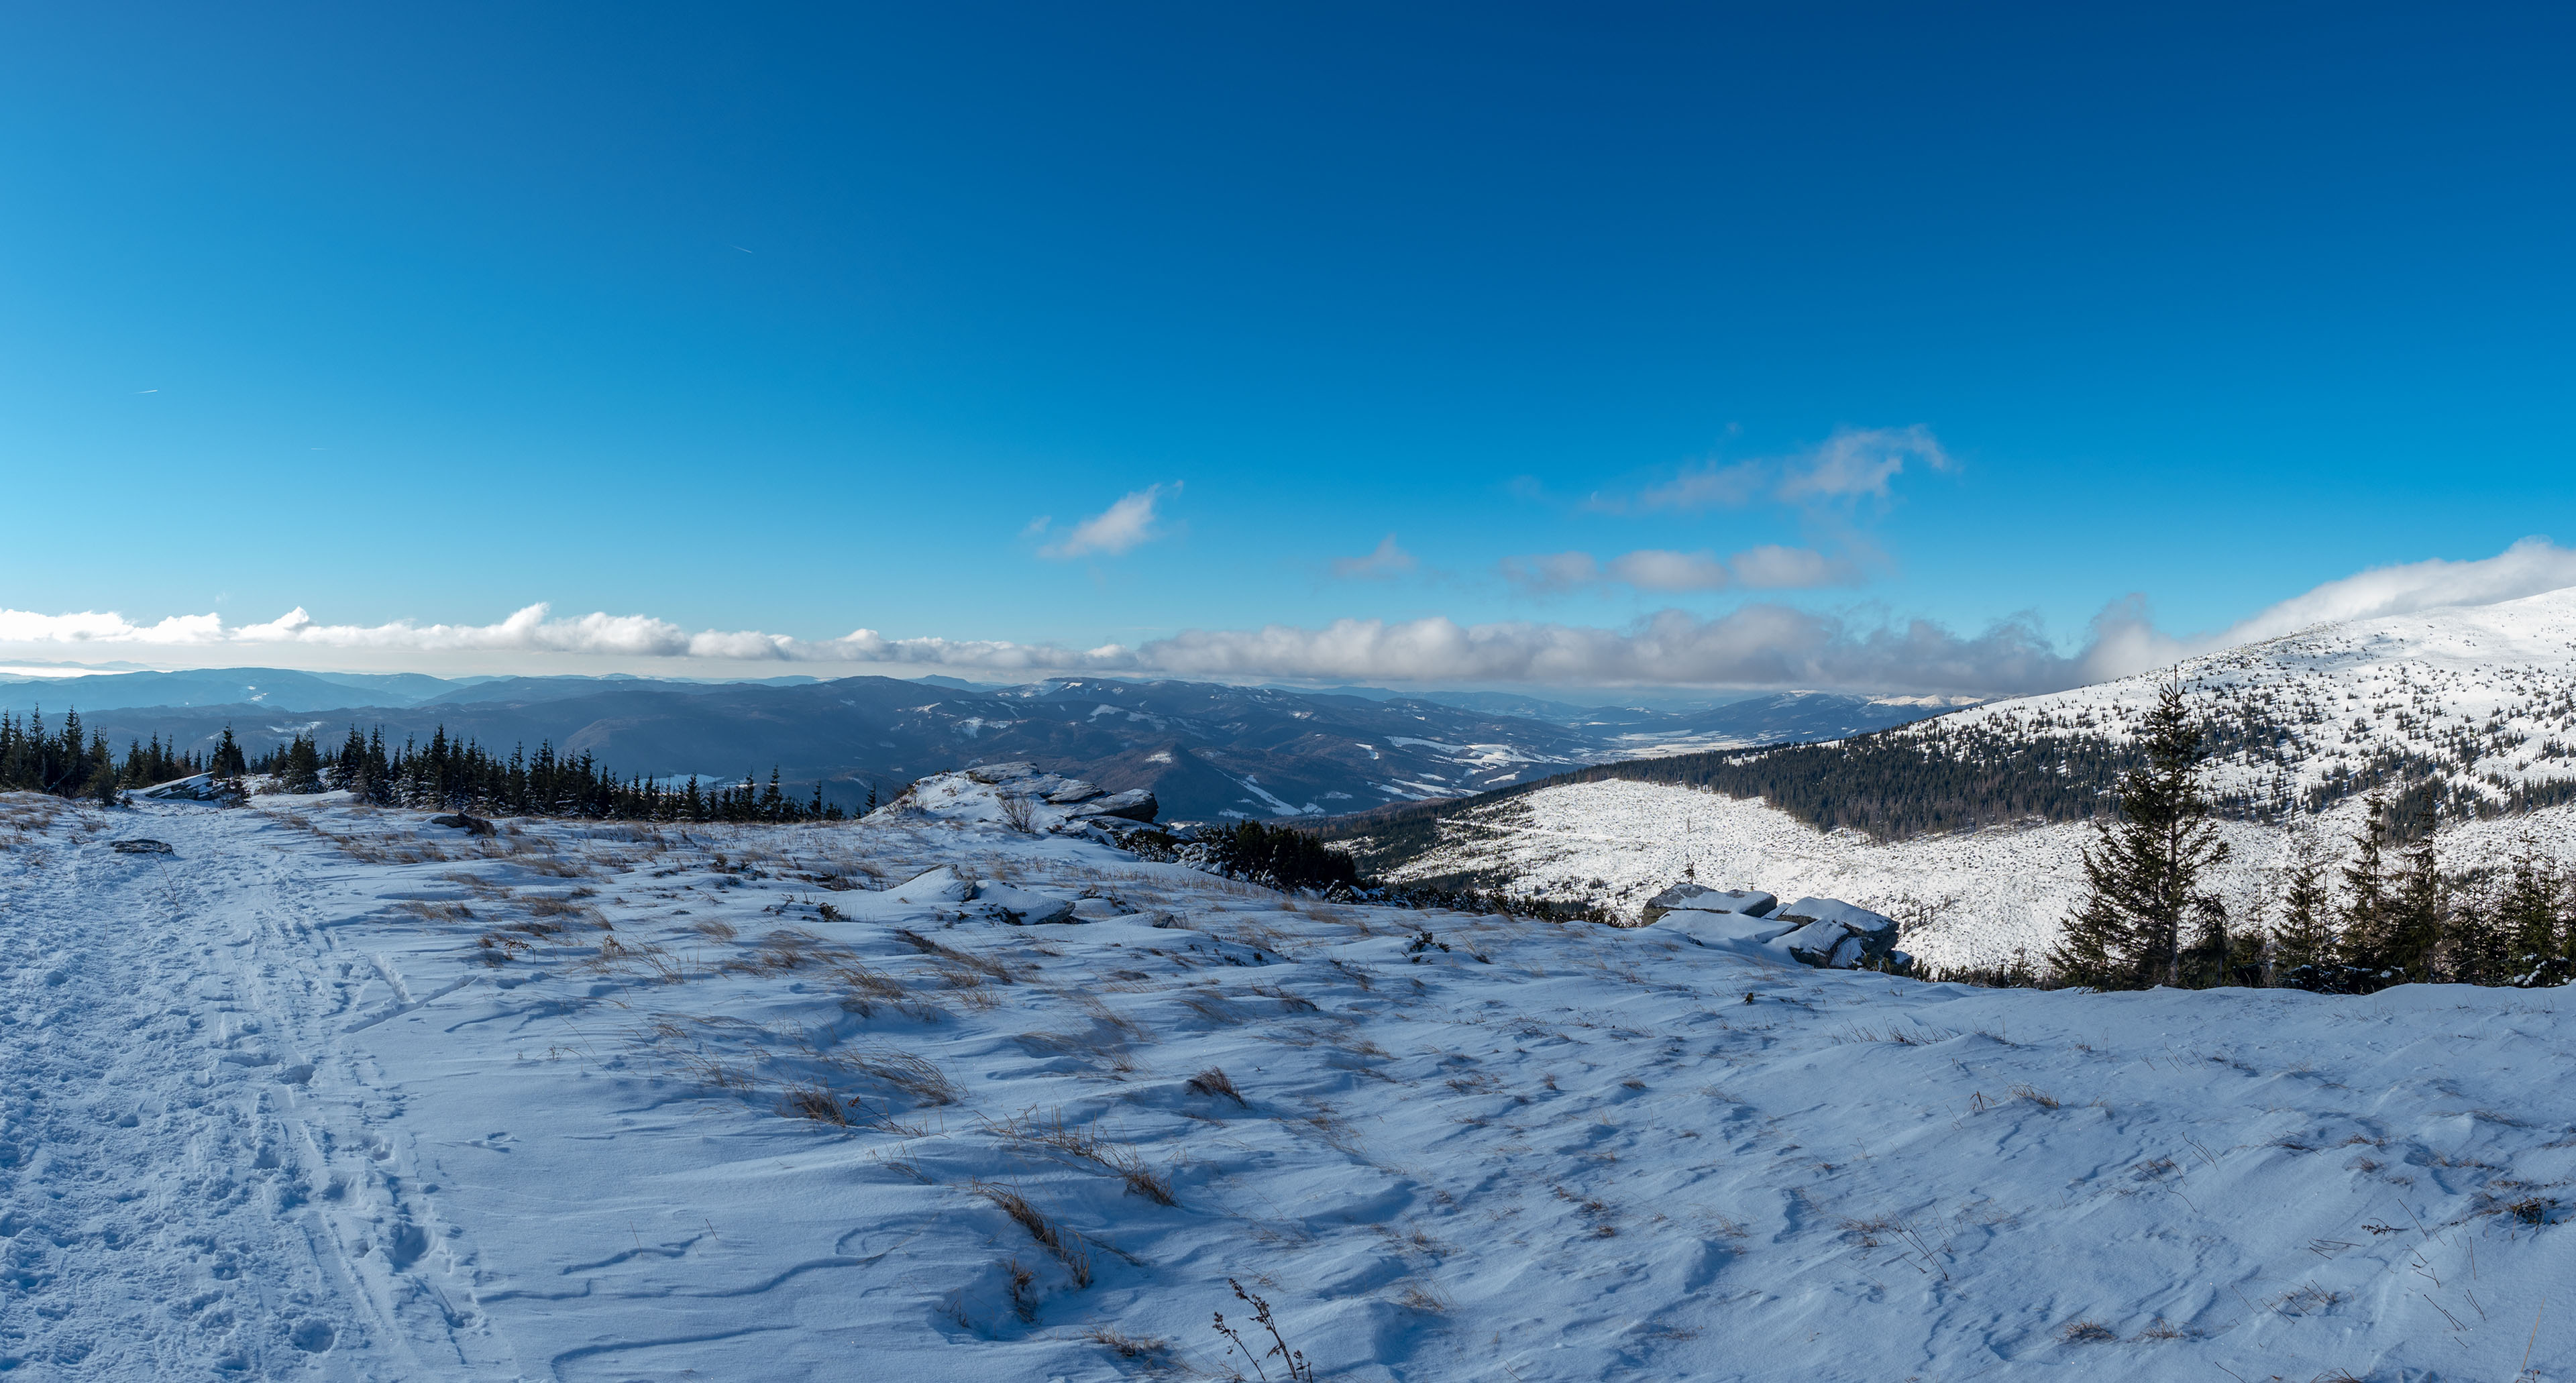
{"x": 1207, "y": 751}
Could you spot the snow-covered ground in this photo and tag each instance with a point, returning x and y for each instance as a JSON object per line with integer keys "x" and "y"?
{"x": 270, "y": 1107}
{"x": 1973, "y": 898}
{"x": 2483, "y": 696}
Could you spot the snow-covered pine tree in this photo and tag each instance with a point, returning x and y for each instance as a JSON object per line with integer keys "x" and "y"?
{"x": 2142, "y": 872}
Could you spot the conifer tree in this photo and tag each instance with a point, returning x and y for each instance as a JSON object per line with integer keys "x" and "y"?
{"x": 2205, "y": 960}
{"x": 2249, "y": 957}
{"x": 2365, "y": 891}
{"x": 2477, "y": 947}
{"x": 229, "y": 763}
{"x": 2537, "y": 939}
{"x": 2306, "y": 935}
{"x": 2142, "y": 872}
{"x": 2419, "y": 908}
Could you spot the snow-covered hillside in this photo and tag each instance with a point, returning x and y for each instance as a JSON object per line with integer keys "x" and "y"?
{"x": 1975, "y": 898}
{"x": 2482, "y": 696}
{"x": 333, "y": 1093}
{"x": 2479, "y": 702}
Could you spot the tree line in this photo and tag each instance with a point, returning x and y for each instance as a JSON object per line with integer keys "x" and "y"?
{"x": 2146, "y": 920}
{"x": 446, "y": 774}
{"x": 72, "y": 763}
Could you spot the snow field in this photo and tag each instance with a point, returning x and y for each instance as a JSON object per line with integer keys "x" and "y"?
{"x": 1974, "y": 898}
{"x": 587, "y": 1151}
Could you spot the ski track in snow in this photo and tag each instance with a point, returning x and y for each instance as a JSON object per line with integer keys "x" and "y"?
{"x": 199, "y": 1179}
{"x": 271, "y": 1111}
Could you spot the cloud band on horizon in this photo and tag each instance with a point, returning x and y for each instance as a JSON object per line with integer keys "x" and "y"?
{"x": 1757, "y": 645}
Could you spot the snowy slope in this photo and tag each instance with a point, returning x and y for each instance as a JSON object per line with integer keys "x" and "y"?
{"x": 272, "y": 1109}
{"x": 2481, "y": 699}
{"x": 1970, "y": 898}
{"x": 2482, "y": 695}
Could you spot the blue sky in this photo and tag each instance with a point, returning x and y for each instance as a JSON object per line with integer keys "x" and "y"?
{"x": 803, "y": 321}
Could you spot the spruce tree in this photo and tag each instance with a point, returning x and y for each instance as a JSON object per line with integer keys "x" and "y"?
{"x": 2142, "y": 872}
{"x": 2306, "y": 935}
{"x": 2529, "y": 914}
{"x": 2477, "y": 946}
{"x": 229, "y": 764}
{"x": 2205, "y": 960}
{"x": 2365, "y": 891}
{"x": 2419, "y": 908}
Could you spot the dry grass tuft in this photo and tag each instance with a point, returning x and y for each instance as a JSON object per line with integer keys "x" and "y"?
{"x": 914, "y": 1076}
{"x": 1211, "y": 1006}
{"x": 1288, "y": 1003}
{"x": 815, "y": 1102}
{"x": 866, "y": 986}
{"x": 1155, "y": 1356}
{"x": 1214, "y": 1081}
{"x": 2038, "y": 1097}
{"x": 998, "y": 971}
{"x": 1081, "y": 1141}
{"x": 2087, "y": 1332}
{"x": 1066, "y": 1245}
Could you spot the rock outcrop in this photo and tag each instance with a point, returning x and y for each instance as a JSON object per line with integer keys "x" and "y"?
{"x": 1702, "y": 898}
{"x": 1135, "y": 804}
{"x": 1835, "y": 935}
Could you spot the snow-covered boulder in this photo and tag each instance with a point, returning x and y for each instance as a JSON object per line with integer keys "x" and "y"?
{"x": 1002, "y": 773}
{"x": 1071, "y": 791}
{"x": 204, "y": 787}
{"x": 1702, "y": 898}
{"x": 1135, "y": 804}
{"x": 932, "y": 888}
{"x": 1024, "y": 907}
{"x": 1835, "y": 935}
{"x": 1721, "y": 928}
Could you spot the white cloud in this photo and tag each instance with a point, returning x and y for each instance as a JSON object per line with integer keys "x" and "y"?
{"x": 1852, "y": 464}
{"x": 1758, "y": 645}
{"x": 1549, "y": 573}
{"x": 1649, "y": 569}
{"x": 1860, "y": 461}
{"x": 2529, "y": 567}
{"x": 1113, "y": 530}
{"x": 1755, "y": 646}
{"x": 1710, "y": 486}
{"x": 2126, "y": 640}
{"x": 93, "y": 626}
{"x": 1769, "y": 568}
{"x": 1772, "y": 567}
{"x": 1388, "y": 560}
